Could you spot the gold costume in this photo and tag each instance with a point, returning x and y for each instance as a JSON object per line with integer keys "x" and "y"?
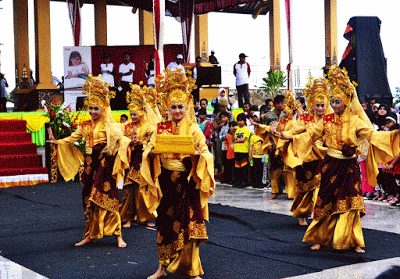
{"x": 133, "y": 204}
{"x": 340, "y": 202}
{"x": 104, "y": 164}
{"x": 179, "y": 186}
{"x": 284, "y": 157}
{"x": 308, "y": 174}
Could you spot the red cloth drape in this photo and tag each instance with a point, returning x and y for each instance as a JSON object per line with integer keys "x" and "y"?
{"x": 288, "y": 68}
{"x": 158, "y": 17}
{"x": 74, "y": 10}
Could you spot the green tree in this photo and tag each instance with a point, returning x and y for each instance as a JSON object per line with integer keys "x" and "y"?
{"x": 273, "y": 82}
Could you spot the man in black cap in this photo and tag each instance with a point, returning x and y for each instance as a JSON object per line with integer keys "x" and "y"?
{"x": 241, "y": 70}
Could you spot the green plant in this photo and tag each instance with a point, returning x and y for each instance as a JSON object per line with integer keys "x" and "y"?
{"x": 273, "y": 82}
{"x": 63, "y": 122}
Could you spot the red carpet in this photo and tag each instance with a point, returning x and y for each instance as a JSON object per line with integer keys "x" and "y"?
{"x": 20, "y": 165}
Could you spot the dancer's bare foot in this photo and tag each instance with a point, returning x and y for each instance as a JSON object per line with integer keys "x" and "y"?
{"x": 316, "y": 247}
{"x": 161, "y": 272}
{"x": 120, "y": 242}
{"x": 303, "y": 222}
{"x": 273, "y": 196}
{"x": 359, "y": 250}
{"x": 195, "y": 277}
{"x": 127, "y": 225}
{"x": 83, "y": 242}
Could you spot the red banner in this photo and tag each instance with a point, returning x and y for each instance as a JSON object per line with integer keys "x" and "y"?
{"x": 74, "y": 10}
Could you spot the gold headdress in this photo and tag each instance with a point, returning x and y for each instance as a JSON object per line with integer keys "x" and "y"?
{"x": 174, "y": 87}
{"x": 341, "y": 86}
{"x": 291, "y": 105}
{"x": 97, "y": 91}
{"x": 152, "y": 100}
{"x": 151, "y": 97}
{"x": 136, "y": 100}
{"x": 316, "y": 91}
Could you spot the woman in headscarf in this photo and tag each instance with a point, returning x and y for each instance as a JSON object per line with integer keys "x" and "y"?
{"x": 340, "y": 203}
{"x": 104, "y": 163}
{"x": 179, "y": 184}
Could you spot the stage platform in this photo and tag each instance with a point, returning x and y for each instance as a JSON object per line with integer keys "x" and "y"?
{"x": 36, "y": 121}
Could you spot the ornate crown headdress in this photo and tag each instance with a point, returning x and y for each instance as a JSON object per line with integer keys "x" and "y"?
{"x": 151, "y": 97}
{"x": 316, "y": 91}
{"x": 136, "y": 100}
{"x": 291, "y": 105}
{"x": 341, "y": 86}
{"x": 97, "y": 91}
{"x": 174, "y": 86}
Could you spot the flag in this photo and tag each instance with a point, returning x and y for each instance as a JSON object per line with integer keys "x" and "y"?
{"x": 74, "y": 9}
{"x": 158, "y": 17}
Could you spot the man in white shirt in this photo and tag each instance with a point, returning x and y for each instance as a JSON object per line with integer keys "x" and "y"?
{"x": 177, "y": 64}
{"x": 126, "y": 71}
{"x": 241, "y": 71}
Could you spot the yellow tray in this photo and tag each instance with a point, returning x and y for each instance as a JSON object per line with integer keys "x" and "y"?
{"x": 174, "y": 144}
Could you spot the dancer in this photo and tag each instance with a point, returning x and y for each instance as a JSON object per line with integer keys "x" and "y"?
{"x": 179, "y": 185}
{"x": 282, "y": 163}
{"x": 307, "y": 174}
{"x": 104, "y": 163}
{"x": 340, "y": 204}
{"x": 139, "y": 129}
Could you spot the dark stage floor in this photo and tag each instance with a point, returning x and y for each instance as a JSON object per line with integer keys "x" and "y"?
{"x": 40, "y": 224}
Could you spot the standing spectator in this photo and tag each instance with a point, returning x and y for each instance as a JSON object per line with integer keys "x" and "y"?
{"x": 174, "y": 65}
{"x": 195, "y": 92}
{"x": 277, "y": 113}
{"x": 107, "y": 70}
{"x": 212, "y": 59}
{"x": 241, "y": 149}
{"x": 228, "y": 175}
{"x": 126, "y": 70}
{"x": 255, "y": 157}
{"x": 3, "y": 93}
{"x": 224, "y": 118}
{"x": 123, "y": 118}
{"x": 241, "y": 70}
{"x": 150, "y": 72}
{"x": 205, "y": 126}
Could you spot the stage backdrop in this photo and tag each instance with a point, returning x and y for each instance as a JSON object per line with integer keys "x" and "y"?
{"x": 140, "y": 55}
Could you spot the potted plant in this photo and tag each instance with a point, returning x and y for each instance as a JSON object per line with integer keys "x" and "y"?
{"x": 273, "y": 82}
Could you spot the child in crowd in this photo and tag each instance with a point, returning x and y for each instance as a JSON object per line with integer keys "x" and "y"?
{"x": 224, "y": 130}
{"x": 229, "y": 154}
{"x": 205, "y": 126}
{"x": 255, "y": 158}
{"x": 123, "y": 118}
{"x": 241, "y": 149}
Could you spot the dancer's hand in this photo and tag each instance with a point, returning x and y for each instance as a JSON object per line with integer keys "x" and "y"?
{"x": 51, "y": 139}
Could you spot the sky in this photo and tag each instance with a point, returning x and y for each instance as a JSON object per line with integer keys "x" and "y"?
{"x": 229, "y": 35}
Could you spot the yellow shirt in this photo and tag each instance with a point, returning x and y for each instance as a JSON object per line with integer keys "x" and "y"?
{"x": 242, "y": 132}
{"x": 256, "y": 144}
